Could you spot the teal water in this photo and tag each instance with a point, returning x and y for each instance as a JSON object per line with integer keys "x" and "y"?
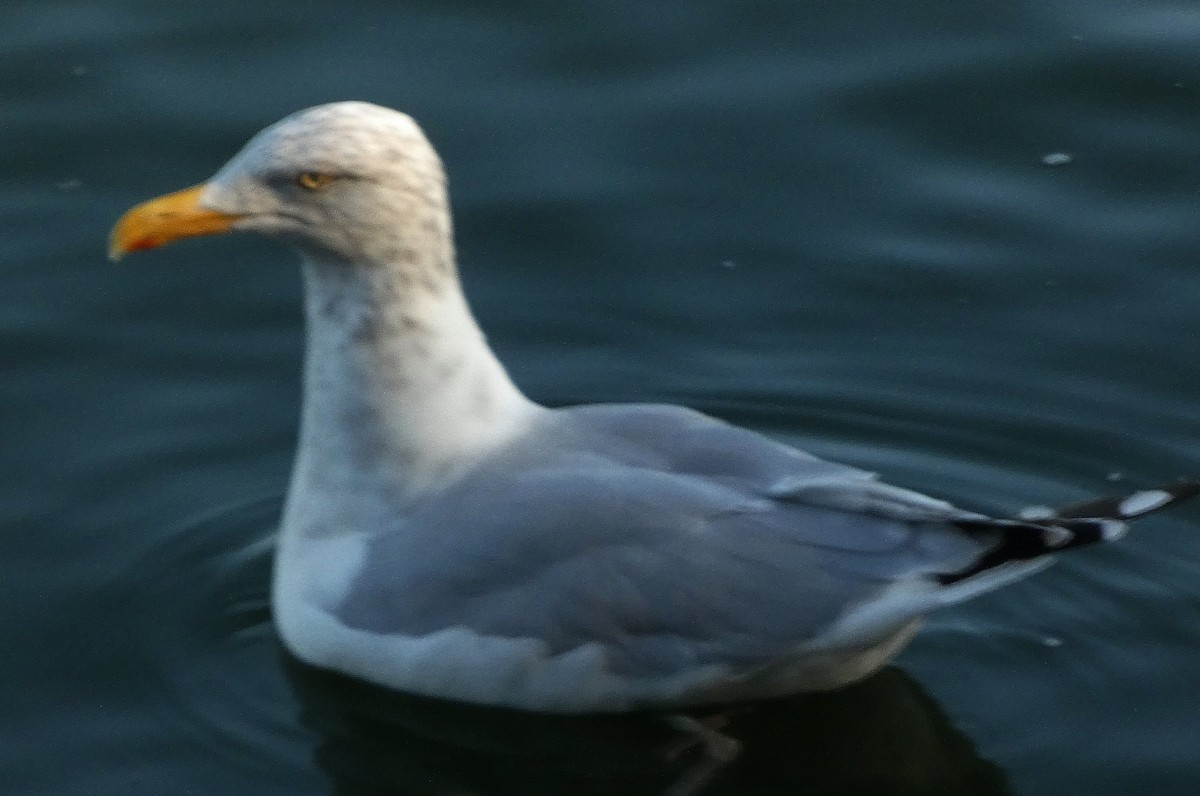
{"x": 829, "y": 221}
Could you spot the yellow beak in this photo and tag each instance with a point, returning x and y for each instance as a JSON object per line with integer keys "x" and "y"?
{"x": 167, "y": 218}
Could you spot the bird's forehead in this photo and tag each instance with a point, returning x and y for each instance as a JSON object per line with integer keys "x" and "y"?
{"x": 339, "y": 136}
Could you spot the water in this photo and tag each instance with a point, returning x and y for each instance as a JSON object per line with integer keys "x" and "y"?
{"x": 833, "y": 222}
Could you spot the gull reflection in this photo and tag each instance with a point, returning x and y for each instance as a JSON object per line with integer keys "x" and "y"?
{"x": 883, "y": 735}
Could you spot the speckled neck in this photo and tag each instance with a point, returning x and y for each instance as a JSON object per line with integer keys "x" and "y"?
{"x": 400, "y": 391}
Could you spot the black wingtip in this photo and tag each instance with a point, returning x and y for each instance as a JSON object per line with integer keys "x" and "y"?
{"x": 1137, "y": 504}
{"x": 1053, "y": 531}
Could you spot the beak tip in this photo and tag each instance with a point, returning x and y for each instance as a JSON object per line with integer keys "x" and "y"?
{"x": 118, "y": 246}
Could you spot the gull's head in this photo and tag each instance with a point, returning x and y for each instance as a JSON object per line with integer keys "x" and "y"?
{"x": 347, "y": 182}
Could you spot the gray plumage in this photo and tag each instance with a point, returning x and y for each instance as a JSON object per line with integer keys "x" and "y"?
{"x": 672, "y": 539}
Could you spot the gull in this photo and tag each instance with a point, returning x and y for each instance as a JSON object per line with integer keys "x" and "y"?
{"x": 444, "y": 535}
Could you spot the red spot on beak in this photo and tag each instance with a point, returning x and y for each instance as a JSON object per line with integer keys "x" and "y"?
{"x": 141, "y": 244}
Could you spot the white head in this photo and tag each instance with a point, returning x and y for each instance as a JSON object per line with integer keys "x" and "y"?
{"x": 345, "y": 183}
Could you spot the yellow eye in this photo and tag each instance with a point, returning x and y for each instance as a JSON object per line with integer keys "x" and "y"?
{"x": 313, "y": 180}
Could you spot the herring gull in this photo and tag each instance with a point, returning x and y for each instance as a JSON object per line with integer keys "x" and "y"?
{"x": 446, "y": 536}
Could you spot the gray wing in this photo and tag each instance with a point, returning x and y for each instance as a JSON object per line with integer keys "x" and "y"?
{"x": 671, "y": 538}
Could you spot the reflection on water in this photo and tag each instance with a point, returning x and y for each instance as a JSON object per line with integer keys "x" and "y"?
{"x": 883, "y": 735}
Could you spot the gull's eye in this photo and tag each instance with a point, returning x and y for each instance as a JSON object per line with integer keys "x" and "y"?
{"x": 314, "y": 180}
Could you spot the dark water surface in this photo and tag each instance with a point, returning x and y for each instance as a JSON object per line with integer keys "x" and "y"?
{"x": 829, "y": 221}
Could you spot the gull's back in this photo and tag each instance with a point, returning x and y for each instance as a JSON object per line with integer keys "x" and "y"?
{"x": 617, "y": 555}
